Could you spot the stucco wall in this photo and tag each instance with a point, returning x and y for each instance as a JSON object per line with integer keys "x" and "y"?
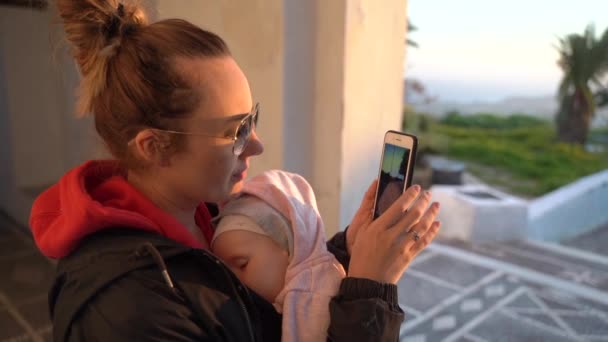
{"x": 40, "y": 139}
{"x": 373, "y": 88}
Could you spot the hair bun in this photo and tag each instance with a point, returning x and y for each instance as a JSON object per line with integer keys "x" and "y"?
{"x": 96, "y": 29}
{"x": 123, "y": 22}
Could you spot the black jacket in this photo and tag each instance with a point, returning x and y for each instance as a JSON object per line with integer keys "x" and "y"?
{"x": 131, "y": 285}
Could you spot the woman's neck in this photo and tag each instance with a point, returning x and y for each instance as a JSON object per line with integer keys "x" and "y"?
{"x": 179, "y": 209}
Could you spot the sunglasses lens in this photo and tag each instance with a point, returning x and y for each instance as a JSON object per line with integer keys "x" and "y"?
{"x": 244, "y": 132}
{"x": 238, "y": 148}
{"x": 242, "y": 136}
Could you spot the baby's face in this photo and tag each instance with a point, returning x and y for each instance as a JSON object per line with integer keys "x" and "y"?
{"x": 256, "y": 259}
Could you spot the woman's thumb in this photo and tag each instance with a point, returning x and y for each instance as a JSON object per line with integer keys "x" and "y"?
{"x": 365, "y": 210}
{"x": 368, "y": 199}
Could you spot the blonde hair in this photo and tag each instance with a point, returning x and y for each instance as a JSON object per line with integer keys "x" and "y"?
{"x": 127, "y": 67}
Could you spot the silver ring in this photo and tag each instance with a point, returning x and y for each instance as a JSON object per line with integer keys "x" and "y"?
{"x": 416, "y": 236}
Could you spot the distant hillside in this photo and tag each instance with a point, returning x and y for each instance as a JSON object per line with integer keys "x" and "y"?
{"x": 543, "y": 107}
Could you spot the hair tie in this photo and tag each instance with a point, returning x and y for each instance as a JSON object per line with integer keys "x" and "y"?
{"x": 121, "y": 10}
{"x": 111, "y": 28}
{"x": 115, "y": 27}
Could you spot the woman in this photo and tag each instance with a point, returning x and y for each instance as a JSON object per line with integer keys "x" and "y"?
{"x": 132, "y": 234}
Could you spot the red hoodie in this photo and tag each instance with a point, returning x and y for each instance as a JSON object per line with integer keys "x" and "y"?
{"x": 96, "y": 196}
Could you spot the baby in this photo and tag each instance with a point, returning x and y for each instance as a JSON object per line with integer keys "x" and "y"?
{"x": 273, "y": 238}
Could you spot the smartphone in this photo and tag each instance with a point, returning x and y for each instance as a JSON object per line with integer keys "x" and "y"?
{"x": 396, "y": 169}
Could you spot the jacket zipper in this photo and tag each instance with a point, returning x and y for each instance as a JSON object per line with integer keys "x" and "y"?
{"x": 234, "y": 289}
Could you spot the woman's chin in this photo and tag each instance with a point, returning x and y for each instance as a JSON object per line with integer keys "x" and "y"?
{"x": 236, "y": 187}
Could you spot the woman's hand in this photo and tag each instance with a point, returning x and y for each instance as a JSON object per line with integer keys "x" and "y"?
{"x": 382, "y": 250}
{"x": 363, "y": 216}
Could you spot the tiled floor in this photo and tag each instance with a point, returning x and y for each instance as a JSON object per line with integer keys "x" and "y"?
{"x": 26, "y": 278}
{"x": 513, "y": 291}
{"x": 595, "y": 241}
{"x": 453, "y": 291}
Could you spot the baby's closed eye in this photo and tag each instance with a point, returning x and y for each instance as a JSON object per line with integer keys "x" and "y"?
{"x": 239, "y": 263}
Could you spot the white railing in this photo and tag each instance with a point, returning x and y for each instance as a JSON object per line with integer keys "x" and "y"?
{"x": 571, "y": 210}
{"x": 479, "y": 212}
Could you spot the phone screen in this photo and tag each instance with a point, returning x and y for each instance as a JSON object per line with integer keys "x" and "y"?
{"x": 392, "y": 176}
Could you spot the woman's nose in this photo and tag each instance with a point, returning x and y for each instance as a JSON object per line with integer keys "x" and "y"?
{"x": 254, "y": 146}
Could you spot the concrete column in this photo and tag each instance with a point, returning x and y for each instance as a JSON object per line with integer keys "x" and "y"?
{"x": 358, "y": 96}
{"x": 299, "y": 85}
{"x": 342, "y": 91}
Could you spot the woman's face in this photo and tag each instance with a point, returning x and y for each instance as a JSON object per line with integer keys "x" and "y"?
{"x": 207, "y": 169}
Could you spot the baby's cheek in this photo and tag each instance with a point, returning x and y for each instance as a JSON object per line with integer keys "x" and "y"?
{"x": 217, "y": 247}
{"x": 219, "y": 252}
{"x": 276, "y": 273}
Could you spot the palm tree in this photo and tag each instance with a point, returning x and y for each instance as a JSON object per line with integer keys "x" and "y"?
{"x": 411, "y": 28}
{"x": 584, "y": 60}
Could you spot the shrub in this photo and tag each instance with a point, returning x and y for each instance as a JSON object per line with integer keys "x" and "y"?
{"x": 523, "y": 147}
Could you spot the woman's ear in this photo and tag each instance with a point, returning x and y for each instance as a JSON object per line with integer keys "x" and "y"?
{"x": 152, "y": 147}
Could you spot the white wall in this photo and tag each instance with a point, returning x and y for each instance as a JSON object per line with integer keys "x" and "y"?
{"x": 12, "y": 200}
{"x": 299, "y": 85}
{"x": 373, "y": 90}
{"x": 328, "y": 109}
{"x": 32, "y": 100}
{"x": 40, "y": 138}
{"x": 358, "y": 89}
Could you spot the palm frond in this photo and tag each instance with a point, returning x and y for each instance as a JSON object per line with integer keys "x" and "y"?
{"x": 583, "y": 57}
{"x": 564, "y": 87}
{"x": 411, "y": 28}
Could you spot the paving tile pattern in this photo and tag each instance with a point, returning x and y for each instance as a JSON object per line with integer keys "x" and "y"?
{"x": 445, "y": 298}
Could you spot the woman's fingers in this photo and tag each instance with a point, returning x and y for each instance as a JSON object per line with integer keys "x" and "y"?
{"x": 414, "y": 213}
{"x": 396, "y": 211}
{"x": 428, "y": 237}
{"x": 383, "y": 254}
{"x": 421, "y": 227}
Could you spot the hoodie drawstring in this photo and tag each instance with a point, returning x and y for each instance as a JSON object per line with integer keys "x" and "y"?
{"x": 148, "y": 248}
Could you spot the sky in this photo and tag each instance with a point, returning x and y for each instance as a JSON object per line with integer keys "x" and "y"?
{"x": 487, "y": 50}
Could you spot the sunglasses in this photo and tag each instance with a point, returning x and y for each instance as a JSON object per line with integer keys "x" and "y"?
{"x": 241, "y": 135}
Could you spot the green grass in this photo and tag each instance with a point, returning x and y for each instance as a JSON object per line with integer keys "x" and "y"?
{"x": 517, "y": 153}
